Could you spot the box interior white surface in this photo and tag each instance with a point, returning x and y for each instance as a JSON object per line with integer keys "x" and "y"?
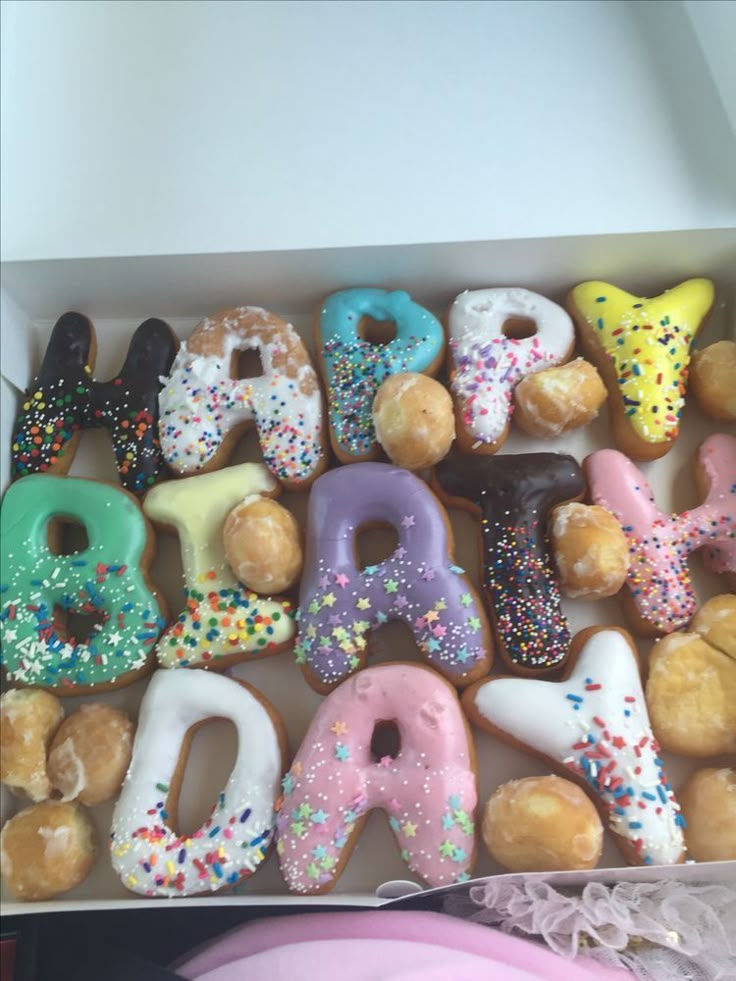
{"x": 118, "y": 293}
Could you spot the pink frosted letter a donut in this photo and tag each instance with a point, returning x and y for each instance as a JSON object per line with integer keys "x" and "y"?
{"x": 428, "y": 789}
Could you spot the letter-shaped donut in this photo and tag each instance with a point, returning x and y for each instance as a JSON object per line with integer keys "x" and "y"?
{"x": 660, "y": 596}
{"x": 353, "y": 368}
{"x": 205, "y": 407}
{"x": 486, "y": 365}
{"x": 107, "y": 580}
{"x": 513, "y": 495}
{"x": 594, "y": 727}
{"x": 428, "y": 790}
{"x": 642, "y": 349}
{"x": 419, "y": 584}
{"x": 147, "y": 853}
{"x": 223, "y": 622}
{"x": 63, "y": 399}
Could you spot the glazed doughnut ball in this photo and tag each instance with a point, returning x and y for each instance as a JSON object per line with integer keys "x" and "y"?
{"x": 708, "y": 801}
{"x": 28, "y": 719}
{"x": 542, "y": 824}
{"x": 590, "y": 551}
{"x": 90, "y": 754}
{"x": 263, "y": 545}
{"x": 556, "y": 400}
{"x": 712, "y": 380}
{"x": 715, "y": 621}
{"x": 414, "y": 420}
{"x": 691, "y": 696}
{"x": 47, "y": 849}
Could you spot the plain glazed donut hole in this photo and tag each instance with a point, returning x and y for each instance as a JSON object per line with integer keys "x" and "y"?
{"x": 708, "y": 802}
{"x": 542, "y": 824}
{"x": 414, "y": 420}
{"x": 28, "y": 719}
{"x": 47, "y": 849}
{"x": 90, "y": 754}
{"x": 712, "y": 380}
{"x": 263, "y": 545}
{"x": 556, "y": 400}
{"x": 715, "y": 621}
{"x": 590, "y": 551}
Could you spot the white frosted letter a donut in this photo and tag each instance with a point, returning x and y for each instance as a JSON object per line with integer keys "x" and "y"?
{"x": 148, "y": 855}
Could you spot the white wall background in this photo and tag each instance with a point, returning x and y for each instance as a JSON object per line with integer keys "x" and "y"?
{"x": 172, "y": 127}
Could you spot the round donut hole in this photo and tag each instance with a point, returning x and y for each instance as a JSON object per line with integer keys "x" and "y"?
{"x": 519, "y": 328}
{"x": 378, "y": 332}
{"x": 248, "y": 364}
{"x": 80, "y": 627}
{"x": 374, "y": 544}
{"x": 385, "y": 741}
{"x": 66, "y": 536}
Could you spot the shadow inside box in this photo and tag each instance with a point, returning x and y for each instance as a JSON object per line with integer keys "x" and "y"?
{"x": 123, "y": 945}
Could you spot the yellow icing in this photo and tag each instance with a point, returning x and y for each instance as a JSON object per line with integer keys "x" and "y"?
{"x": 649, "y": 342}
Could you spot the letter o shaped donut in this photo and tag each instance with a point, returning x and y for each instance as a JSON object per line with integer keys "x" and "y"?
{"x": 149, "y": 856}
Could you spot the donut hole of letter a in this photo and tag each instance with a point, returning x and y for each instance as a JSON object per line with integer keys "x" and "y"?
{"x": 418, "y": 584}
{"x": 151, "y": 857}
{"x": 42, "y": 593}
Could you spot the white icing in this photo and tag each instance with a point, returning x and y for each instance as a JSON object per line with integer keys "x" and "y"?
{"x": 200, "y": 403}
{"x": 174, "y": 702}
{"x": 542, "y": 716}
{"x": 70, "y": 774}
{"x": 488, "y": 365}
{"x": 197, "y": 507}
{"x": 56, "y": 841}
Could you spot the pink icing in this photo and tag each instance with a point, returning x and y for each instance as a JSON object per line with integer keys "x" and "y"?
{"x": 659, "y": 544}
{"x": 428, "y": 790}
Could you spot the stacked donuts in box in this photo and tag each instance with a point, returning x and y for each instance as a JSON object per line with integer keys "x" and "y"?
{"x": 373, "y": 437}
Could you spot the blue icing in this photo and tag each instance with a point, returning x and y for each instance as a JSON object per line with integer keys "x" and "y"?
{"x": 355, "y": 368}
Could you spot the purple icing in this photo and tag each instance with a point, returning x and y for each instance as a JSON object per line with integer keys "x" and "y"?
{"x": 418, "y": 583}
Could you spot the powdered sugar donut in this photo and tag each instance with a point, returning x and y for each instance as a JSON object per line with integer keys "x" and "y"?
{"x": 205, "y": 407}
{"x": 150, "y": 857}
{"x": 428, "y": 789}
{"x": 488, "y": 359}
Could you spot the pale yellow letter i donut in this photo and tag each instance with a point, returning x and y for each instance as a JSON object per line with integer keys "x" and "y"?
{"x": 223, "y": 621}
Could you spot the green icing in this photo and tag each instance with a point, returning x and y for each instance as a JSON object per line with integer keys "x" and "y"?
{"x": 104, "y": 581}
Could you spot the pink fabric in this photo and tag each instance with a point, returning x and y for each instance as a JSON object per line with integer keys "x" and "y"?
{"x": 376, "y": 945}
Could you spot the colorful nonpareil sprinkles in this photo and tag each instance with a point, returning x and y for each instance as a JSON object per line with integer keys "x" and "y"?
{"x": 427, "y": 790}
{"x": 64, "y": 399}
{"x": 201, "y": 402}
{"x": 648, "y": 343}
{"x": 148, "y": 853}
{"x": 487, "y": 364}
{"x": 660, "y": 544}
{"x": 596, "y": 725}
{"x": 419, "y": 584}
{"x": 515, "y": 494}
{"x": 354, "y": 368}
{"x": 41, "y": 591}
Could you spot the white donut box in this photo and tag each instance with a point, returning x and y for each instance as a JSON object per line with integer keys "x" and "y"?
{"x": 119, "y": 293}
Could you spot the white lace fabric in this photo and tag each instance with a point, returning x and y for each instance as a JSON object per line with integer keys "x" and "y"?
{"x": 665, "y": 931}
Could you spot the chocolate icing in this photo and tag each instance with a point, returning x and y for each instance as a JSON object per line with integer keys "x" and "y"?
{"x": 514, "y": 494}
{"x": 64, "y": 399}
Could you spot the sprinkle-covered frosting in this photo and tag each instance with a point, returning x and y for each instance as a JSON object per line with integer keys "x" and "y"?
{"x": 648, "y": 343}
{"x": 659, "y": 544}
{"x": 339, "y": 604}
{"x": 63, "y": 399}
{"x": 39, "y": 590}
{"x": 514, "y": 494}
{"x": 150, "y": 857}
{"x": 221, "y": 618}
{"x": 428, "y": 790}
{"x": 596, "y": 724}
{"x": 354, "y": 368}
{"x": 201, "y": 402}
{"x": 487, "y": 365}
